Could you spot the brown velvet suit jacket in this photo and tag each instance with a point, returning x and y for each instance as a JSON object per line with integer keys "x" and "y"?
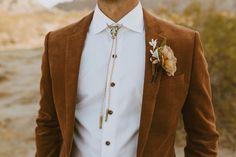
{"x": 187, "y": 93}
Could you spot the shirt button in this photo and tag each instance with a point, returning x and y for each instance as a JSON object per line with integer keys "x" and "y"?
{"x": 108, "y": 143}
{"x": 112, "y": 84}
{"x": 114, "y": 56}
{"x": 110, "y": 112}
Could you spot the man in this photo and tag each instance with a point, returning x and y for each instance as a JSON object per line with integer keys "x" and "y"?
{"x": 115, "y": 83}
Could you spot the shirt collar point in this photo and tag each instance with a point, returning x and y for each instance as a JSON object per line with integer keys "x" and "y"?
{"x": 100, "y": 20}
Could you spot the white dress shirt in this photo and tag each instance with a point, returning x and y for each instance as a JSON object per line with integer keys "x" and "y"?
{"x": 119, "y": 135}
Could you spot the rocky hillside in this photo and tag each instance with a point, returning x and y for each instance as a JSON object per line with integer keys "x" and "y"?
{"x": 20, "y": 6}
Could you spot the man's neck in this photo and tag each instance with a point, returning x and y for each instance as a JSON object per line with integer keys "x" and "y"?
{"x": 116, "y": 9}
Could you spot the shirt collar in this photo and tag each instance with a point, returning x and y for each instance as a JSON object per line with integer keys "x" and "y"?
{"x": 133, "y": 20}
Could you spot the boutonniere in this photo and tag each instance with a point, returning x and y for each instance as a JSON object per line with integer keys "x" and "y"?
{"x": 162, "y": 56}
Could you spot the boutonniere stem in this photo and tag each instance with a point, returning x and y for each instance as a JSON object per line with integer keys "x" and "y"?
{"x": 154, "y": 71}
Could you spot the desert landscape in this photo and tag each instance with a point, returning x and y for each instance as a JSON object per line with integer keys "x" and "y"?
{"x": 22, "y": 30}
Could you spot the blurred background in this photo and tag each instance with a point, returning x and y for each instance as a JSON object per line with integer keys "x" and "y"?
{"x": 24, "y": 23}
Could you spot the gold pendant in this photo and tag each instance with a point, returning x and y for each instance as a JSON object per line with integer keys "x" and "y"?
{"x": 114, "y": 30}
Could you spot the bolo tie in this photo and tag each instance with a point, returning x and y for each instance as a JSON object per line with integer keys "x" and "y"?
{"x": 114, "y": 29}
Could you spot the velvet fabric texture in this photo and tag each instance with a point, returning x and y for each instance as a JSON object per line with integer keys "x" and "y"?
{"x": 164, "y": 100}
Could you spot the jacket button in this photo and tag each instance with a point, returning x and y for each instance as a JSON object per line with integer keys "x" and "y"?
{"x": 108, "y": 143}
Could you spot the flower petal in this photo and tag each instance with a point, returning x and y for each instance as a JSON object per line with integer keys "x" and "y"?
{"x": 151, "y": 51}
{"x": 151, "y": 59}
{"x": 155, "y": 61}
{"x": 155, "y": 54}
{"x": 154, "y": 43}
{"x": 150, "y": 43}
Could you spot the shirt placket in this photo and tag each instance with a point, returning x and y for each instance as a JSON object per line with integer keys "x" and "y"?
{"x": 109, "y": 123}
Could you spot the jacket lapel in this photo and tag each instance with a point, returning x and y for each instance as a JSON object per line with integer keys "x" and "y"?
{"x": 75, "y": 44}
{"x": 152, "y": 31}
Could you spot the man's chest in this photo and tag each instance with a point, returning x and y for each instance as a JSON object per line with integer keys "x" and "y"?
{"x": 124, "y": 64}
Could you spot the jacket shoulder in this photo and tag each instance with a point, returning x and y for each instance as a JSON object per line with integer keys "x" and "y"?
{"x": 69, "y": 29}
{"x": 173, "y": 29}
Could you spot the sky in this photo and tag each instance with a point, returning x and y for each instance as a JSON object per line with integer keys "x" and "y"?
{"x": 51, "y": 3}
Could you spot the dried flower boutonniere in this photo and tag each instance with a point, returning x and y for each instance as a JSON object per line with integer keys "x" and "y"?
{"x": 162, "y": 56}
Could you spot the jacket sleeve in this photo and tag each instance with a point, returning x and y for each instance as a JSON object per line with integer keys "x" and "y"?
{"x": 48, "y": 135}
{"x": 198, "y": 112}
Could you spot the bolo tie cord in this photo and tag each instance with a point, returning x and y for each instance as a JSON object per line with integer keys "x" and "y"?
{"x": 114, "y": 32}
